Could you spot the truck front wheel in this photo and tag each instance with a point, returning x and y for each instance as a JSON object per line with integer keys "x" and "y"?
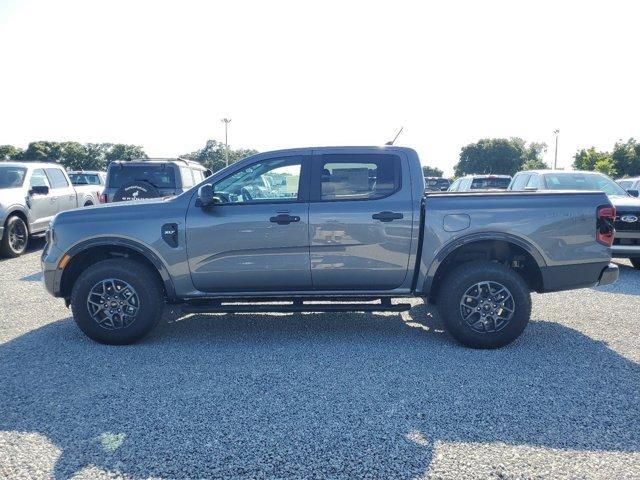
{"x": 117, "y": 301}
{"x": 484, "y": 304}
{"x": 15, "y": 239}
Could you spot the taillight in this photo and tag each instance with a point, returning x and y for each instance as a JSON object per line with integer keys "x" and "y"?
{"x": 605, "y": 229}
{"x": 103, "y": 198}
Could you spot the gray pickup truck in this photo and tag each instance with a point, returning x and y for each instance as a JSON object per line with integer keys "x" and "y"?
{"x": 327, "y": 229}
{"x": 30, "y": 195}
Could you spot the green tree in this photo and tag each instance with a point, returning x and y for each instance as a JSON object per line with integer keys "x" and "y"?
{"x": 534, "y": 164}
{"x": 626, "y": 158}
{"x": 586, "y": 159}
{"x": 9, "y": 152}
{"x": 120, "y": 151}
{"x": 497, "y": 155}
{"x": 431, "y": 171}
{"x": 605, "y": 165}
{"x": 43, "y": 152}
{"x": 213, "y": 155}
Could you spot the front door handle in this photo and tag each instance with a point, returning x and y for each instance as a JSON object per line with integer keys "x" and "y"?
{"x": 284, "y": 219}
{"x": 387, "y": 216}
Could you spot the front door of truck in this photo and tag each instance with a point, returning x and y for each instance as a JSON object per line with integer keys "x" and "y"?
{"x": 42, "y": 207}
{"x": 360, "y": 219}
{"x": 257, "y": 238}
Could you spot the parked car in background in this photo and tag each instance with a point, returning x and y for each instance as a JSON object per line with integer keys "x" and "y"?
{"x": 470, "y": 183}
{"x": 436, "y": 184}
{"x": 31, "y": 194}
{"x": 91, "y": 182}
{"x": 327, "y": 229}
{"x": 627, "y": 220}
{"x": 631, "y": 185}
{"x": 87, "y": 177}
{"x": 151, "y": 178}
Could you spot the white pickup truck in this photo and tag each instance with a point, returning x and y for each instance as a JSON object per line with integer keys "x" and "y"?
{"x": 31, "y": 194}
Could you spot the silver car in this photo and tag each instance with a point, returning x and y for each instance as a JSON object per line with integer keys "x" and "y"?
{"x": 31, "y": 194}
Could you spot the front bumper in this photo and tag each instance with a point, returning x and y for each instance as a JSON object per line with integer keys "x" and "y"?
{"x": 51, "y": 274}
{"x": 609, "y": 274}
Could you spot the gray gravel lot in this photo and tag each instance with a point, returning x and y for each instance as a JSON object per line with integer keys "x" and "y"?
{"x": 320, "y": 395}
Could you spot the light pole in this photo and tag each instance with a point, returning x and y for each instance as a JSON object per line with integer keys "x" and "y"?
{"x": 555, "y": 155}
{"x": 226, "y": 122}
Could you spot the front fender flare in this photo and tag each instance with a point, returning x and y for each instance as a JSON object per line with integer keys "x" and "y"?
{"x": 145, "y": 251}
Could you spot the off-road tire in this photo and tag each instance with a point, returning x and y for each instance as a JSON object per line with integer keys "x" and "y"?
{"x": 147, "y": 287}
{"x": 464, "y": 277}
{"x": 6, "y": 248}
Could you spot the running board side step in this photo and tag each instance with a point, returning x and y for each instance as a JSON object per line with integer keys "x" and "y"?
{"x": 296, "y": 306}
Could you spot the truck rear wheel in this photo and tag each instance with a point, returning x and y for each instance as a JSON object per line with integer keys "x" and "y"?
{"x": 15, "y": 238}
{"x": 117, "y": 301}
{"x": 484, "y": 304}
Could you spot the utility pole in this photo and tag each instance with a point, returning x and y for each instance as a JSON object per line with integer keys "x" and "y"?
{"x": 226, "y": 122}
{"x": 555, "y": 156}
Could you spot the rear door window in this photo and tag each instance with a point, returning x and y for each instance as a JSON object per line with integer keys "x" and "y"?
{"x": 356, "y": 177}
{"x": 160, "y": 176}
{"x": 57, "y": 178}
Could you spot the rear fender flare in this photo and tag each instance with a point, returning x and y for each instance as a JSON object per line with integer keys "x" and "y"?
{"x": 477, "y": 237}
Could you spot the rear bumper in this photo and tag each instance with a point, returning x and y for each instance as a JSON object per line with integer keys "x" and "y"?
{"x": 625, "y": 251}
{"x": 581, "y": 275}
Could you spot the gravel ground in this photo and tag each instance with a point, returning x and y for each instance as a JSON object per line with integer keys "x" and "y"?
{"x": 320, "y": 395}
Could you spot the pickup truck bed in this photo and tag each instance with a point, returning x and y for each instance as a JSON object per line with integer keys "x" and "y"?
{"x": 335, "y": 223}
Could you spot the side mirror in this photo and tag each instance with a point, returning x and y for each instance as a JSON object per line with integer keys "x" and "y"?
{"x": 633, "y": 192}
{"x": 39, "y": 190}
{"x": 205, "y": 196}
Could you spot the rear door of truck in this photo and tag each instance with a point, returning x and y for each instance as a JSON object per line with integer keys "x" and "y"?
{"x": 360, "y": 220}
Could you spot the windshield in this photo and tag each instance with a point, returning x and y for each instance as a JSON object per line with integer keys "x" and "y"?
{"x": 84, "y": 178}
{"x": 583, "y": 181}
{"x": 490, "y": 182}
{"x": 160, "y": 176}
{"x": 11, "y": 177}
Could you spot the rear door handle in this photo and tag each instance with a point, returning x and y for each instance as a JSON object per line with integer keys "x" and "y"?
{"x": 387, "y": 216}
{"x": 284, "y": 219}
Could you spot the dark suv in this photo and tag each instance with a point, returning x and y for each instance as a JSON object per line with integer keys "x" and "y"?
{"x": 151, "y": 178}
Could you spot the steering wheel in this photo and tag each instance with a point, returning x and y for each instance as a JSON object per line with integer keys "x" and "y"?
{"x": 246, "y": 194}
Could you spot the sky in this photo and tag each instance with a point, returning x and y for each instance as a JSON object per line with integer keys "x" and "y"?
{"x": 294, "y": 73}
